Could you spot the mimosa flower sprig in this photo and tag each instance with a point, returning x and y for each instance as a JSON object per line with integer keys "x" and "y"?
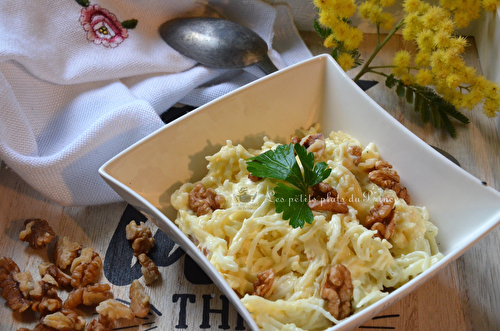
{"x": 435, "y": 79}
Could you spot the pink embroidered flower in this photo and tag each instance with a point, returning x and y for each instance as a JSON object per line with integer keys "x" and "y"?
{"x": 102, "y": 26}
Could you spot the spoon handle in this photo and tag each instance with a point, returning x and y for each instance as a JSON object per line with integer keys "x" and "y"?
{"x": 267, "y": 65}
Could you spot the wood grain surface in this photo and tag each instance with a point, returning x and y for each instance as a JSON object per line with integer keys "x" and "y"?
{"x": 463, "y": 296}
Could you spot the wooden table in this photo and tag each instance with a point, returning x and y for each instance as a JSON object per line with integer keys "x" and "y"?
{"x": 463, "y": 296}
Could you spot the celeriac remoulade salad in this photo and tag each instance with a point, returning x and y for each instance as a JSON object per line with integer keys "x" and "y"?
{"x": 306, "y": 233}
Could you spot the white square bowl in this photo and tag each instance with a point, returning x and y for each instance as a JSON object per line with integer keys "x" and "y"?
{"x": 314, "y": 91}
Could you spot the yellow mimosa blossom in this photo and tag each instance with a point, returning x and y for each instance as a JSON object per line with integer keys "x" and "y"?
{"x": 412, "y": 27}
{"x": 458, "y": 44}
{"x": 442, "y": 40}
{"x": 453, "y": 81}
{"x": 386, "y": 21}
{"x": 434, "y": 16}
{"x": 446, "y": 26}
{"x": 366, "y": 8}
{"x": 402, "y": 59}
{"x": 345, "y": 61}
{"x": 490, "y": 5}
{"x": 424, "y": 77}
{"x": 408, "y": 79}
{"x": 330, "y": 42}
{"x": 355, "y": 38}
{"x": 342, "y": 31}
{"x": 386, "y": 3}
{"x": 328, "y": 18}
{"x": 423, "y": 59}
{"x": 411, "y": 6}
{"x": 425, "y": 40}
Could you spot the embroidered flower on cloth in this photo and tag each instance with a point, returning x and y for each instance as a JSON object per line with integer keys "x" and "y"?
{"x": 102, "y": 26}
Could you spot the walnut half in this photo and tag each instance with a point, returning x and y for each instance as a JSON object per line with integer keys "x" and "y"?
{"x": 142, "y": 237}
{"x": 323, "y": 197}
{"x": 139, "y": 300}
{"x": 11, "y": 288}
{"x": 202, "y": 200}
{"x": 384, "y": 176}
{"x": 37, "y": 233}
{"x": 262, "y": 286}
{"x": 149, "y": 269}
{"x": 337, "y": 290}
{"x": 381, "y": 218}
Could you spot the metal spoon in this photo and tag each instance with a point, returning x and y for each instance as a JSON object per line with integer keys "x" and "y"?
{"x": 217, "y": 43}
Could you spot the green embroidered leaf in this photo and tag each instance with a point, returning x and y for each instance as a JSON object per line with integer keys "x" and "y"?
{"x": 130, "y": 24}
{"x": 83, "y": 3}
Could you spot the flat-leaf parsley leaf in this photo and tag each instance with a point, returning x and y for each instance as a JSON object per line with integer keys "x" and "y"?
{"x": 282, "y": 164}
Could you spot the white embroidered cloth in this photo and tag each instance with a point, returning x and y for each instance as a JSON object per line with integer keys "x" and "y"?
{"x": 80, "y": 81}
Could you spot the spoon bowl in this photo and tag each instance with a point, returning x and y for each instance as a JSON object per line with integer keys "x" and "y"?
{"x": 217, "y": 43}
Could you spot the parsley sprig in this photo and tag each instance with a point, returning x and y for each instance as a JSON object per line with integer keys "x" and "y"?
{"x": 282, "y": 164}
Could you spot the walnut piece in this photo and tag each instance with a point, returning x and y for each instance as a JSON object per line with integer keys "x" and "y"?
{"x": 202, "y": 200}
{"x": 337, "y": 291}
{"x": 64, "y": 320}
{"x": 384, "y": 176}
{"x": 142, "y": 237}
{"x": 26, "y": 282}
{"x": 86, "y": 268}
{"x": 149, "y": 269}
{"x": 95, "y": 294}
{"x": 11, "y": 288}
{"x": 323, "y": 197}
{"x": 262, "y": 286}
{"x": 44, "y": 296}
{"x": 139, "y": 300}
{"x": 47, "y": 268}
{"x": 381, "y": 218}
{"x": 355, "y": 152}
{"x": 74, "y": 299}
{"x": 314, "y": 143}
{"x": 113, "y": 310}
{"x": 37, "y": 233}
{"x": 65, "y": 252}
{"x": 254, "y": 178}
